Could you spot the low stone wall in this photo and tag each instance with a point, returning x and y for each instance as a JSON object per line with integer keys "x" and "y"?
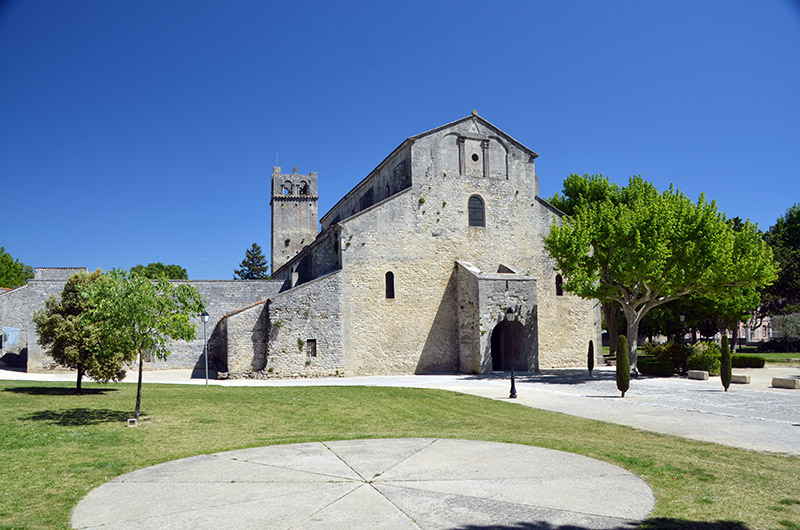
{"x": 297, "y": 333}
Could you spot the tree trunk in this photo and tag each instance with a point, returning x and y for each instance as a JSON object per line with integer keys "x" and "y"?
{"x": 611, "y": 314}
{"x": 633, "y": 340}
{"x": 139, "y": 387}
{"x": 78, "y": 389}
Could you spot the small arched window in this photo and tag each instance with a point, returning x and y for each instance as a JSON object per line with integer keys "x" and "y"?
{"x": 477, "y": 216}
{"x": 303, "y": 188}
{"x": 287, "y": 188}
{"x": 390, "y": 285}
{"x": 559, "y": 285}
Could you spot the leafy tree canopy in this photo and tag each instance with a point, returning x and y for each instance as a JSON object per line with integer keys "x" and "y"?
{"x": 13, "y": 273}
{"x": 135, "y": 316}
{"x": 641, "y": 248}
{"x": 783, "y": 297}
{"x": 69, "y": 340}
{"x": 159, "y": 270}
{"x": 787, "y": 325}
{"x": 253, "y": 266}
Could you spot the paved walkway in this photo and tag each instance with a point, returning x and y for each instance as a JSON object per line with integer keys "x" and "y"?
{"x": 371, "y": 484}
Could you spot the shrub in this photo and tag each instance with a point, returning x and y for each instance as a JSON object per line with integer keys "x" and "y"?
{"x": 652, "y": 366}
{"x": 779, "y": 345}
{"x": 700, "y": 360}
{"x": 747, "y": 361}
{"x": 668, "y": 351}
{"x": 623, "y": 365}
{"x": 725, "y": 364}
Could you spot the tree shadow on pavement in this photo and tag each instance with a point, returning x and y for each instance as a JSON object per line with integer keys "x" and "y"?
{"x": 554, "y": 377}
{"x": 650, "y": 524}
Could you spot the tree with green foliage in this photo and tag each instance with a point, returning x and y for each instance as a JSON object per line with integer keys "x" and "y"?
{"x": 580, "y": 191}
{"x": 725, "y": 370}
{"x": 253, "y": 266}
{"x": 159, "y": 270}
{"x": 783, "y": 296}
{"x": 72, "y": 342}
{"x": 13, "y": 273}
{"x": 623, "y": 366}
{"x": 641, "y": 249}
{"x": 137, "y": 316}
{"x": 590, "y": 357}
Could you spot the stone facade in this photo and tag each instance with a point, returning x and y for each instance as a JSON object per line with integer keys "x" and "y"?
{"x": 409, "y": 219}
{"x": 433, "y": 263}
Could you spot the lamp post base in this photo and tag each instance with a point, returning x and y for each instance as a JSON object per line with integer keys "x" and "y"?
{"x": 513, "y": 393}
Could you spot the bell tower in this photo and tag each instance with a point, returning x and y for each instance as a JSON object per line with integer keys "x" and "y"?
{"x": 294, "y": 214}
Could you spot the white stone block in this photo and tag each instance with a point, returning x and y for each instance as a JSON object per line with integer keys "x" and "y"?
{"x": 701, "y": 375}
{"x": 740, "y": 379}
{"x": 785, "y": 382}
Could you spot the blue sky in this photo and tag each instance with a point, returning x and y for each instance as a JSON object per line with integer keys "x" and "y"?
{"x": 133, "y": 132}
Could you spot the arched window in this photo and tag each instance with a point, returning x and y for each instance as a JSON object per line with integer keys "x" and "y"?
{"x": 390, "y": 285}
{"x": 303, "y": 188}
{"x": 287, "y": 188}
{"x": 559, "y": 285}
{"x": 477, "y": 215}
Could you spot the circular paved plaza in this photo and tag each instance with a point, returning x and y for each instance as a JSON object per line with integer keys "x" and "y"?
{"x": 398, "y": 484}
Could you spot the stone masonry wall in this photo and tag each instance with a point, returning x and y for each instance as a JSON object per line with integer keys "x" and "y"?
{"x": 421, "y": 233}
{"x": 13, "y": 308}
{"x": 222, "y": 297}
{"x": 246, "y": 335}
{"x": 390, "y": 177}
{"x": 482, "y": 302}
{"x": 309, "y": 312}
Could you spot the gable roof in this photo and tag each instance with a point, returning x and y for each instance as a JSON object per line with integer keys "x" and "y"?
{"x": 486, "y": 123}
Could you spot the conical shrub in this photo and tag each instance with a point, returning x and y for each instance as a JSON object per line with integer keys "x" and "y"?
{"x": 623, "y": 365}
{"x": 590, "y": 359}
{"x": 725, "y": 364}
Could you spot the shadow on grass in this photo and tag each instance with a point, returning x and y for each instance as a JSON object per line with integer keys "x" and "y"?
{"x": 57, "y": 391}
{"x": 78, "y": 416}
{"x": 650, "y": 524}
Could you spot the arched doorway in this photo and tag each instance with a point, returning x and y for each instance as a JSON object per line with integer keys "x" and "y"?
{"x": 507, "y": 338}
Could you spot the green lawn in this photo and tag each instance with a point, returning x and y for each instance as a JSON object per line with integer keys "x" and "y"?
{"x": 57, "y": 446}
{"x": 792, "y": 357}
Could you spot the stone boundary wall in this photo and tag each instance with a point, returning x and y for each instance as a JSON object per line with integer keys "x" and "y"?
{"x": 221, "y": 296}
{"x": 13, "y": 307}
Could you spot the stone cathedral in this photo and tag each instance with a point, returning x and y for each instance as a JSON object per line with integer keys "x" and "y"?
{"x": 433, "y": 263}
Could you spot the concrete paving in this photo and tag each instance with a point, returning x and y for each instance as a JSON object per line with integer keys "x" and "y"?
{"x": 355, "y": 484}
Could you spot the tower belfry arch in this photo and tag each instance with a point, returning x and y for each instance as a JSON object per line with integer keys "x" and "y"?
{"x": 294, "y": 214}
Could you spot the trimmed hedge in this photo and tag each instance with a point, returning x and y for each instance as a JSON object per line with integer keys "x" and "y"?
{"x": 747, "y": 361}
{"x": 655, "y": 367}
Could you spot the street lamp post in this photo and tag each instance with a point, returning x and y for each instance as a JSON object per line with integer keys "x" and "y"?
{"x": 204, "y": 316}
{"x": 510, "y": 318}
{"x": 683, "y": 353}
